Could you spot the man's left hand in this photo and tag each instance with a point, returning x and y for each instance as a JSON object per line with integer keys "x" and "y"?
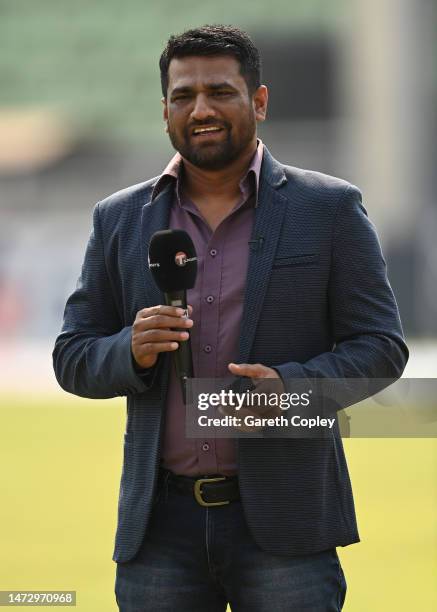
{"x": 259, "y": 374}
{"x": 256, "y": 370}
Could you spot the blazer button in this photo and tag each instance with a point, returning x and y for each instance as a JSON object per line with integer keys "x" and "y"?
{"x": 207, "y": 348}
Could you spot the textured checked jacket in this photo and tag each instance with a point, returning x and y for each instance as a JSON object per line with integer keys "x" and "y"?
{"x": 317, "y": 304}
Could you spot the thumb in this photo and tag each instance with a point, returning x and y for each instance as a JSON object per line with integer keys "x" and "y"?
{"x": 247, "y": 369}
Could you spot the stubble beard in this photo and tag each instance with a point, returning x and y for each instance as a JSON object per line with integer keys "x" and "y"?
{"x": 214, "y": 156}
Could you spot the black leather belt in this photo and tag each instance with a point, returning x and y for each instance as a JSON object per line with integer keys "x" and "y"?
{"x": 207, "y": 490}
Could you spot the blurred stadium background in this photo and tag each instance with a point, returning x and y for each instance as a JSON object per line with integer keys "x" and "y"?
{"x": 353, "y": 92}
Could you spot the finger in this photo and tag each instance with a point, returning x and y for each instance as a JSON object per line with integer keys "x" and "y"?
{"x": 159, "y": 335}
{"x": 152, "y": 348}
{"x": 172, "y": 311}
{"x": 159, "y": 321}
{"x": 247, "y": 369}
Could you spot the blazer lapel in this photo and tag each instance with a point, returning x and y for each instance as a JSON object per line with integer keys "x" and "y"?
{"x": 155, "y": 216}
{"x": 267, "y": 226}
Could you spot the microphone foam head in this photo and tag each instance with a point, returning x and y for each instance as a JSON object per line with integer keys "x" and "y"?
{"x": 172, "y": 260}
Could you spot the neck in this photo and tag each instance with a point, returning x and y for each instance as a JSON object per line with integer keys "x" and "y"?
{"x": 224, "y": 182}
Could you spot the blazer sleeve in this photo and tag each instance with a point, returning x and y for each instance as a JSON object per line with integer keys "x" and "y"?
{"x": 365, "y": 325}
{"x": 92, "y": 356}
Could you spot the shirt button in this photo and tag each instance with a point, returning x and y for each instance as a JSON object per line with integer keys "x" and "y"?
{"x": 210, "y": 299}
{"x": 205, "y": 447}
{"x": 213, "y": 252}
{"x": 207, "y": 348}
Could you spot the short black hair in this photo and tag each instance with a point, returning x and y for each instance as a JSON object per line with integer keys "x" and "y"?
{"x": 214, "y": 40}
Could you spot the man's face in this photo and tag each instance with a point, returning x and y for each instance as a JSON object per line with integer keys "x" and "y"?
{"x": 211, "y": 118}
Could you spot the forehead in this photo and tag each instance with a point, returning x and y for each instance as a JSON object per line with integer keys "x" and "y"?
{"x": 200, "y": 71}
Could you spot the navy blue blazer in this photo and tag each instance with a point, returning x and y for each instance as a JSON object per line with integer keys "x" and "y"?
{"x": 317, "y": 304}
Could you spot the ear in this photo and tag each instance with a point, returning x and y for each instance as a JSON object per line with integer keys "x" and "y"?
{"x": 165, "y": 112}
{"x": 260, "y": 100}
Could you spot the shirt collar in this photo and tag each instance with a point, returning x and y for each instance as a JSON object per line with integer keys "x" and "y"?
{"x": 173, "y": 170}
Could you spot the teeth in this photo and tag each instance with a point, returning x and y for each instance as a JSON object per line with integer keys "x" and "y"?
{"x": 210, "y": 129}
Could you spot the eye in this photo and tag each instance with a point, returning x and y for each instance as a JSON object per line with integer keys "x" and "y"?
{"x": 221, "y": 94}
{"x": 180, "y": 97}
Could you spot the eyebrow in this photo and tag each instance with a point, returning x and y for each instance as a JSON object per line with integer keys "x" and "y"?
{"x": 211, "y": 87}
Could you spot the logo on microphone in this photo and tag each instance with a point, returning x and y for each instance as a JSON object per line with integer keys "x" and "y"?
{"x": 180, "y": 259}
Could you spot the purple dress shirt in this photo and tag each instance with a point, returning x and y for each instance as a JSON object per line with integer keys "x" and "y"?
{"x": 217, "y": 301}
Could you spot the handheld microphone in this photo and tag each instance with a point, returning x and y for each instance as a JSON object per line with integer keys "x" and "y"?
{"x": 173, "y": 264}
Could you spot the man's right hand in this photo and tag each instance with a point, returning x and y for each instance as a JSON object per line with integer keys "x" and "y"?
{"x": 153, "y": 332}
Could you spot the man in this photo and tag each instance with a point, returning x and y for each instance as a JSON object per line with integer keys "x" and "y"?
{"x": 291, "y": 284}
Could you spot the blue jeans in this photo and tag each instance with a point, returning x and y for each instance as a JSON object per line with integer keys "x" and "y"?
{"x": 197, "y": 559}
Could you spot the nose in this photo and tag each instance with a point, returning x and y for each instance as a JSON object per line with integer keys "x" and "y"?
{"x": 202, "y": 109}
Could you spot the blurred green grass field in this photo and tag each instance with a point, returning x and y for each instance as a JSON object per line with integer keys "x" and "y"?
{"x": 61, "y": 464}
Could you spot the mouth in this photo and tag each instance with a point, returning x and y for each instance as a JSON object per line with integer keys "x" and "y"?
{"x": 210, "y": 131}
